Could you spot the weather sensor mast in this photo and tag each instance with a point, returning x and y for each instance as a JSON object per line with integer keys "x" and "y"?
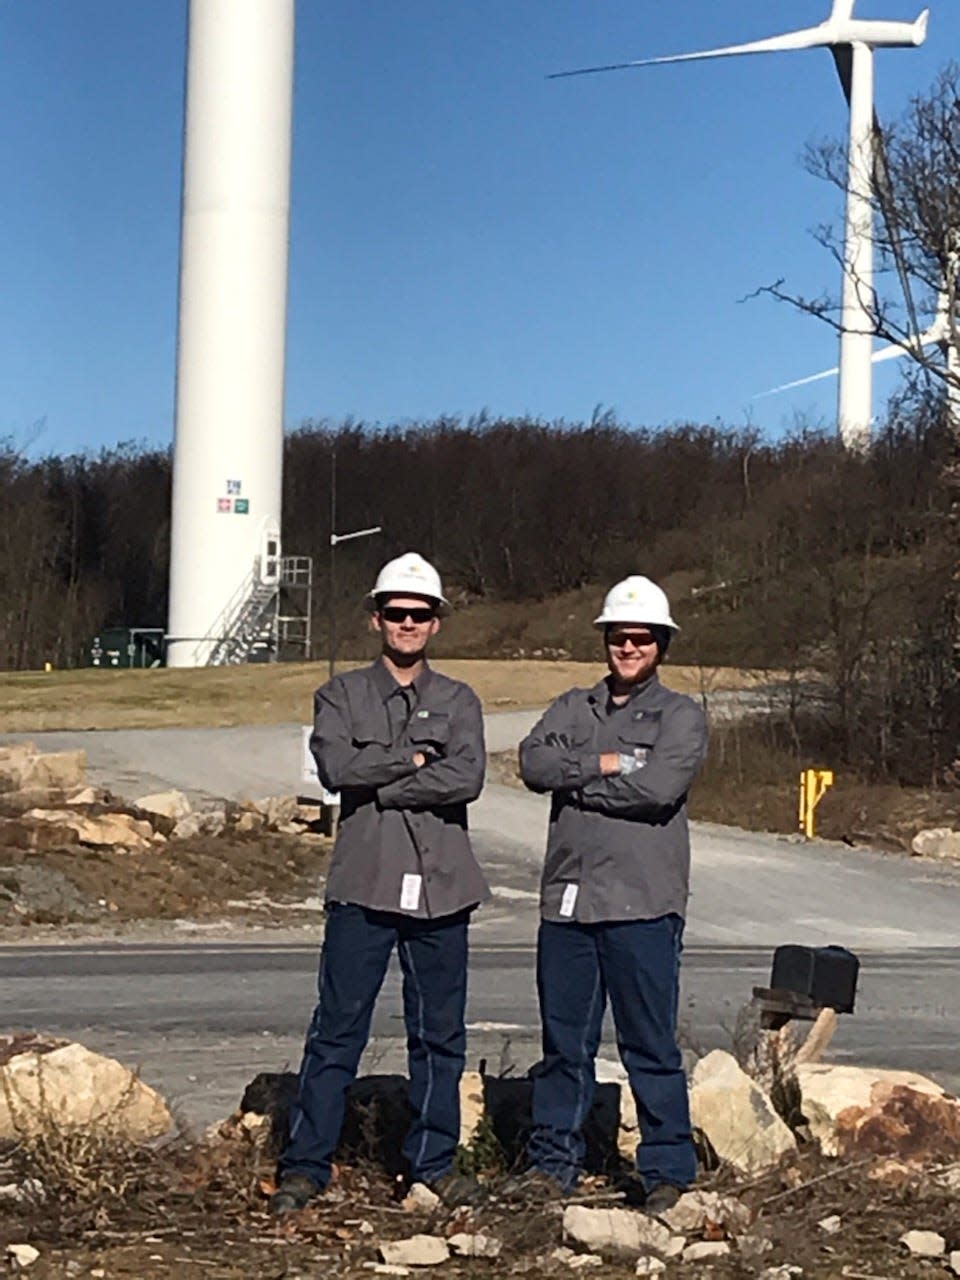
{"x": 228, "y": 446}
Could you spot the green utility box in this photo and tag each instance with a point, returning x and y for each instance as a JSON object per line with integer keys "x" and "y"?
{"x": 127, "y": 647}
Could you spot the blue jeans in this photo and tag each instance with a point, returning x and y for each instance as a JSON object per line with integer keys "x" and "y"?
{"x": 353, "y": 963}
{"x": 637, "y": 964}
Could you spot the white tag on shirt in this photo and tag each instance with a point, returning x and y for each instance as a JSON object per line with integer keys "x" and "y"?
{"x": 410, "y": 892}
{"x": 569, "y": 899}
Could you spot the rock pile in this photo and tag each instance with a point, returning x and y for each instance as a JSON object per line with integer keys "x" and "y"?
{"x": 46, "y": 802}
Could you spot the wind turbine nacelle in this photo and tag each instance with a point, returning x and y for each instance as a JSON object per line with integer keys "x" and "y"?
{"x": 879, "y": 35}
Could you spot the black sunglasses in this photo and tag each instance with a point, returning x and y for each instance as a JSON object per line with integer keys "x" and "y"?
{"x": 397, "y": 613}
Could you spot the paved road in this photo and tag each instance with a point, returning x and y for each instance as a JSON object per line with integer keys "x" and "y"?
{"x": 202, "y": 1017}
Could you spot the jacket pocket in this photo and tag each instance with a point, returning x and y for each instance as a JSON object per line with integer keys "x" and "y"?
{"x": 371, "y": 730}
{"x": 429, "y": 728}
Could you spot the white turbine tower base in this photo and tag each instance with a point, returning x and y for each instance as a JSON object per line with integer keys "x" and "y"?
{"x": 840, "y": 31}
{"x": 228, "y": 448}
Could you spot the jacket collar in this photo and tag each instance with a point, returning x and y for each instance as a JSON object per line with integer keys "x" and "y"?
{"x": 385, "y": 684}
{"x": 599, "y": 695}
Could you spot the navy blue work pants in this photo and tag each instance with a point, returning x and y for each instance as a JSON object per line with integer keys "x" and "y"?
{"x": 636, "y": 963}
{"x": 353, "y": 963}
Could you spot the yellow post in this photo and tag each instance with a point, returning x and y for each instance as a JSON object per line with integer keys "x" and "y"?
{"x": 814, "y": 784}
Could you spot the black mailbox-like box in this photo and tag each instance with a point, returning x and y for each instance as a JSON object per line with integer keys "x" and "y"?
{"x": 827, "y": 975}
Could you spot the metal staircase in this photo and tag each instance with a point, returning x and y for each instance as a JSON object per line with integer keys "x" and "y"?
{"x": 263, "y": 616}
{"x": 254, "y": 625}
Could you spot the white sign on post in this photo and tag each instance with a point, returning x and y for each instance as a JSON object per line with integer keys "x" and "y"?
{"x": 308, "y": 770}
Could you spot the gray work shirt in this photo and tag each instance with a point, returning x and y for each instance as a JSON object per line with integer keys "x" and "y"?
{"x": 398, "y": 822}
{"x": 618, "y": 847}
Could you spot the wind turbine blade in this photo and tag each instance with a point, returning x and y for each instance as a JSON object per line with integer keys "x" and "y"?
{"x": 799, "y": 382}
{"x": 892, "y": 352}
{"x": 809, "y": 38}
{"x": 842, "y": 10}
{"x": 843, "y": 57}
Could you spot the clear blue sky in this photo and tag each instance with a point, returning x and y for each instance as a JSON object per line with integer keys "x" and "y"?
{"x": 465, "y": 233}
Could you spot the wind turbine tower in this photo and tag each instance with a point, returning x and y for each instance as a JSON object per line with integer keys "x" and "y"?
{"x": 852, "y": 42}
{"x": 228, "y": 446}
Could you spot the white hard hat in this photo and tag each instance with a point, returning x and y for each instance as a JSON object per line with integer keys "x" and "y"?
{"x": 408, "y": 575}
{"x": 636, "y": 599}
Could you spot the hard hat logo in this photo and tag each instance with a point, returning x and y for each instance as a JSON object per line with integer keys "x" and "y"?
{"x": 408, "y": 574}
{"x": 636, "y": 599}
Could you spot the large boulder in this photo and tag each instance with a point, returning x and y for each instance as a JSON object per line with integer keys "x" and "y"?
{"x": 736, "y": 1116}
{"x": 46, "y": 1084}
{"x": 936, "y": 842}
{"x": 23, "y": 768}
{"x": 868, "y": 1110}
{"x": 105, "y": 830}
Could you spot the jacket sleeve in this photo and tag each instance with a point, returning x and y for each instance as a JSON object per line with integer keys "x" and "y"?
{"x": 549, "y": 760}
{"x": 456, "y": 777}
{"x": 341, "y": 763}
{"x": 673, "y": 763}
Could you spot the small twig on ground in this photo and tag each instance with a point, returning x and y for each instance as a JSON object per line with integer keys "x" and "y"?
{"x": 823, "y": 1177}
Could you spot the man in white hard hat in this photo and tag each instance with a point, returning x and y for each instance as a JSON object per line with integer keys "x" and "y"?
{"x": 404, "y": 747}
{"x": 618, "y": 760}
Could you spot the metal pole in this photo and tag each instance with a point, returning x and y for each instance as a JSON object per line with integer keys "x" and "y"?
{"x": 855, "y": 391}
{"x": 332, "y": 584}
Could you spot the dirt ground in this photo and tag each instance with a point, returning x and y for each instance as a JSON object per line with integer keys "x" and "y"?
{"x": 244, "y": 878}
{"x": 32, "y": 701}
{"x": 191, "y": 1212}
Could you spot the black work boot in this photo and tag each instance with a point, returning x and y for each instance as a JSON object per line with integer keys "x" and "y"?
{"x": 661, "y": 1198}
{"x": 532, "y": 1187}
{"x": 456, "y": 1189}
{"x": 294, "y": 1192}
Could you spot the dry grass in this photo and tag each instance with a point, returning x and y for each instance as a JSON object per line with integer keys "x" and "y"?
{"x": 219, "y": 697}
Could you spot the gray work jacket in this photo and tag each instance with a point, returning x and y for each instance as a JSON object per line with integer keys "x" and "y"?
{"x": 398, "y": 822}
{"x": 618, "y": 847}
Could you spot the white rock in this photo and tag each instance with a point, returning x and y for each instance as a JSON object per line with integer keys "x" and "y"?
{"x": 24, "y": 768}
{"x": 827, "y": 1090}
{"x": 925, "y": 1244}
{"x": 276, "y": 809}
{"x": 22, "y": 1255}
{"x": 705, "y": 1250}
{"x": 188, "y": 827}
{"x": 736, "y": 1116}
{"x": 29, "y": 1191}
{"x": 166, "y": 804}
{"x": 650, "y": 1266}
{"x": 420, "y": 1199}
{"x": 386, "y": 1269}
{"x": 936, "y": 842}
{"x": 583, "y": 1261}
{"x": 954, "y": 1262}
{"x": 617, "y": 1230}
{"x": 86, "y": 795}
{"x": 830, "y": 1225}
{"x": 415, "y": 1251}
{"x": 787, "y": 1272}
{"x": 674, "y": 1247}
{"x": 471, "y": 1106}
{"x": 479, "y": 1245}
{"x": 76, "y": 1089}
{"x": 695, "y": 1209}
